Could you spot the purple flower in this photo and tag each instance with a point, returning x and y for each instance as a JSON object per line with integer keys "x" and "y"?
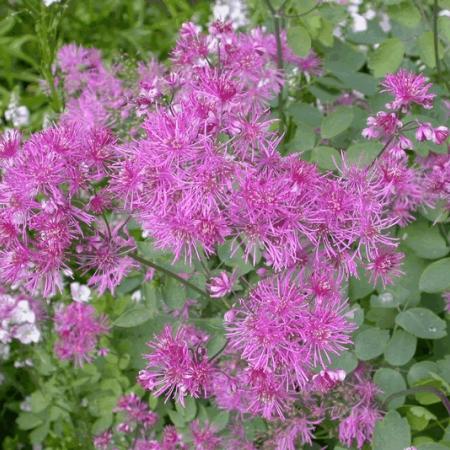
{"x": 408, "y": 88}
{"x": 78, "y": 330}
{"x": 222, "y": 285}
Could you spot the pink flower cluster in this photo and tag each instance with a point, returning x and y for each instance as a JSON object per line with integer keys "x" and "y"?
{"x": 408, "y": 187}
{"x": 178, "y": 364}
{"x": 78, "y": 329}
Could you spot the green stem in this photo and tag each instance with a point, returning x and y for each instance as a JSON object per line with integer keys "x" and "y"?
{"x": 436, "y": 37}
{"x": 414, "y": 390}
{"x": 280, "y": 63}
{"x": 167, "y": 272}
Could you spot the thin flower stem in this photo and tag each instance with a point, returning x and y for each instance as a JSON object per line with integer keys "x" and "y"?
{"x": 220, "y": 351}
{"x": 167, "y": 272}
{"x": 296, "y": 16}
{"x": 414, "y": 390}
{"x": 280, "y": 64}
{"x": 436, "y": 38}
{"x": 382, "y": 150}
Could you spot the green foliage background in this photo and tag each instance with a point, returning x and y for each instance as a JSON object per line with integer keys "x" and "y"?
{"x": 403, "y": 329}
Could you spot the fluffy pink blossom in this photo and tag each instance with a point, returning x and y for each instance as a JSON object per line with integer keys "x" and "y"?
{"x": 78, "y": 329}
{"x": 222, "y": 284}
{"x": 408, "y": 88}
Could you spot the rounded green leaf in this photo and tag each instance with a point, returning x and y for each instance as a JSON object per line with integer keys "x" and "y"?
{"x": 390, "y": 382}
{"x": 325, "y": 157}
{"x": 392, "y": 433}
{"x": 422, "y": 323}
{"x": 133, "y": 317}
{"x": 425, "y": 44}
{"x": 337, "y": 122}
{"x": 426, "y": 241}
{"x": 299, "y": 40}
{"x": 387, "y": 57}
{"x": 436, "y": 277}
{"x": 371, "y": 343}
{"x": 401, "y": 348}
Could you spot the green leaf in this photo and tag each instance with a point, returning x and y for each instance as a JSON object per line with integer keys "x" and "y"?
{"x": 387, "y": 57}
{"x": 392, "y": 433}
{"x": 177, "y": 419}
{"x": 39, "y": 434}
{"x": 174, "y": 294}
{"x": 306, "y": 113}
{"x": 422, "y": 323}
{"x": 346, "y": 361}
{"x": 359, "y": 81}
{"x": 299, "y": 40}
{"x": 425, "y": 240}
{"x": 401, "y": 348}
{"x": 337, "y": 122}
{"x": 133, "y": 317}
{"x": 343, "y": 58}
{"x": 418, "y": 417}
{"x": 436, "y": 277}
{"x": 359, "y": 287}
{"x": 371, "y": 343}
{"x": 38, "y": 402}
{"x": 102, "y": 423}
{"x": 363, "y": 153}
{"x": 234, "y": 257}
{"x": 189, "y": 411}
{"x": 27, "y": 421}
{"x": 425, "y": 44}
{"x": 304, "y": 139}
{"x": 324, "y": 157}
{"x": 390, "y": 382}
{"x": 405, "y": 14}
{"x": 220, "y": 420}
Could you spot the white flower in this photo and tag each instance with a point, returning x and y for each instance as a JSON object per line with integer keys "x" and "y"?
{"x": 80, "y": 292}
{"x": 136, "y": 296}
{"x": 4, "y": 351}
{"x": 50, "y": 2}
{"x": 23, "y": 313}
{"x": 232, "y": 10}
{"x": 19, "y": 116}
{"x": 27, "y": 333}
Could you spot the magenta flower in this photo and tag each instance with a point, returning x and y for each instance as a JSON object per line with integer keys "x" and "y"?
{"x": 408, "y": 88}
{"x": 222, "y": 285}
{"x": 175, "y": 368}
{"x": 385, "y": 266}
{"x": 78, "y": 330}
{"x": 136, "y": 412}
{"x": 359, "y": 426}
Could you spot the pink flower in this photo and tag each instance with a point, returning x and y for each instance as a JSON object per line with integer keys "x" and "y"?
{"x": 136, "y": 412}
{"x": 385, "y": 266}
{"x": 382, "y": 125}
{"x": 222, "y": 285}
{"x": 440, "y": 135}
{"x": 424, "y": 132}
{"x": 408, "y": 88}
{"x": 102, "y": 441}
{"x": 175, "y": 368}
{"x": 78, "y": 330}
{"x": 359, "y": 426}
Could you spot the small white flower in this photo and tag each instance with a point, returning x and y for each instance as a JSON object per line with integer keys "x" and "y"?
{"x": 136, "y": 296}
{"x": 27, "y": 333}
{"x": 26, "y": 404}
{"x": 23, "y": 313}
{"x": 4, "y": 351}
{"x": 80, "y": 292}
{"x": 50, "y": 2}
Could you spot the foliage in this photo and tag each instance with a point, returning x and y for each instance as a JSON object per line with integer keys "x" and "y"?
{"x": 394, "y": 353}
